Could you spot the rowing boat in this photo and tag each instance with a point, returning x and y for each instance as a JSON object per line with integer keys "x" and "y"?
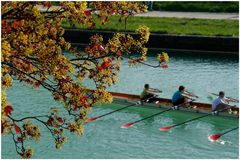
{"x": 164, "y": 103}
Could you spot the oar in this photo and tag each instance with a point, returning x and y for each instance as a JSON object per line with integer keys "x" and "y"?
{"x": 132, "y": 123}
{"x": 191, "y": 94}
{"x": 233, "y": 99}
{"x": 95, "y": 118}
{"x": 216, "y": 136}
{"x": 167, "y": 128}
{"x": 157, "y": 90}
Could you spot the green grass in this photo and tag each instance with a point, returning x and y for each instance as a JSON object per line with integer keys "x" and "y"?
{"x": 197, "y": 6}
{"x": 179, "y": 26}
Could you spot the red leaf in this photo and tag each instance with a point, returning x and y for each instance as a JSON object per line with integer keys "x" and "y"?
{"x": 37, "y": 84}
{"x": 83, "y": 99}
{"x": 100, "y": 68}
{"x": 100, "y": 47}
{"x": 49, "y": 122}
{"x": 118, "y": 53}
{"x": 4, "y": 22}
{"x": 8, "y": 110}
{"x": 85, "y": 105}
{"x": 106, "y": 64}
{"x": 164, "y": 66}
{"x": 17, "y": 129}
{"x": 15, "y": 25}
{"x": 2, "y": 127}
{"x": 113, "y": 11}
{"x": 123, "y": 12}
{"x": 87, "y": 13}
{"x": 49, "y": 4}
{"x": 19, "y": 139}
{"x": 60, "y": 18}
{"x": 60, "y": 119}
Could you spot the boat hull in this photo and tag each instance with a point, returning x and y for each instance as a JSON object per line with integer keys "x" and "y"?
{"x": 164, "y": 103}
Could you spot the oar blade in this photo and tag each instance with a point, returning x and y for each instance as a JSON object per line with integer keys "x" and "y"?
{"x": 91, "y": 120}
{"x": 214, "y": 137}
{"x": 127, "y": 125}
{"x": 167, "y": 128}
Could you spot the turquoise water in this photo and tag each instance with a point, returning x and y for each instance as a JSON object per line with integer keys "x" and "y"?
{"x": 105, "y": 139}
{"x": 200, "y": 74}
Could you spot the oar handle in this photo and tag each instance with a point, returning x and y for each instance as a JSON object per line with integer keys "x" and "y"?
{"x": 226, "y": 97}
{"x": 192, "y": 94}
{"x": 117, "y": 110}
{"x": 229, "y": 130}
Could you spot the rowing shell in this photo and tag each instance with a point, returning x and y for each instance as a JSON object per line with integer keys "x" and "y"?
{"x": 164, "y": 103}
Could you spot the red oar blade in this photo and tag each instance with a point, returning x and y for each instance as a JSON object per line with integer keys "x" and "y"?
{"x": 214, "y": 137}
{"x": 91, "y": 120}
{"x": 127, "y": 125}
{"x": 165, "y": 128}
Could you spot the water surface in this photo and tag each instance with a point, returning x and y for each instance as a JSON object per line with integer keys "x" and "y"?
{"x": 105, "y": 139}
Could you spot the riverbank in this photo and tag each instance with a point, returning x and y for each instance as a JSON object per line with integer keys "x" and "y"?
{"x": 166, "y": 42}
{"x": 164, "y": 25}
{"x": 220, "y": 7}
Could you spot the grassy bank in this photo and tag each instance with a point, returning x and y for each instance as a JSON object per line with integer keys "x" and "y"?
{"x": 197, "y": 6}
{"x": 179, "y": 26}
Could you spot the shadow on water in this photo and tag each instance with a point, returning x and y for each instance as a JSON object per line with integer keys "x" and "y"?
{"x": 201, "y": 56}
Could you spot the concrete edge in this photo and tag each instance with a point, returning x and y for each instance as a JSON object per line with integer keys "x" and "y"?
{"x": 166, "y": 42}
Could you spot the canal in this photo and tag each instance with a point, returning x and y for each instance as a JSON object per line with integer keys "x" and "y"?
{"x": 105, "y": 139}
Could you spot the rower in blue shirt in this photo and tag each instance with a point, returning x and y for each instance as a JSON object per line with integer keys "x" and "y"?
{"x": 179, "y": 97}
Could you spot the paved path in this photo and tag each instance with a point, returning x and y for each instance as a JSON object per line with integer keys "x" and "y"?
{"x": 201, "y": 15}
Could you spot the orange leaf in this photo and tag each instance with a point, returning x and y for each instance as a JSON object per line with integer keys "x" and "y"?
{"x": 17, "y": 129}
{"x": 83, "y": 99}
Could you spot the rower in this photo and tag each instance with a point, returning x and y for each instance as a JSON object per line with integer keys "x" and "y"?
{"x": 220, "y": 103}
{"x": 180, "y": 97}
{"x": 149, "y": 94}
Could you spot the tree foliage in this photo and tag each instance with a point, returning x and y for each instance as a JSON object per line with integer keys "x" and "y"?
{"x": 33, "y": 52}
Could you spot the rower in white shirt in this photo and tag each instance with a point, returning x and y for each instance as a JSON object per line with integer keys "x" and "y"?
{"x": 221, "y": 102}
